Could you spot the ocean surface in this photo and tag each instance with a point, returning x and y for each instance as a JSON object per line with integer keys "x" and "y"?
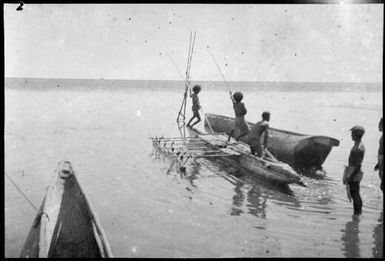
{"x": 148, "y": 208}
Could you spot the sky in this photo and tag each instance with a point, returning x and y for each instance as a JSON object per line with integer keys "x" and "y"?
{"x": 249, "y": 42}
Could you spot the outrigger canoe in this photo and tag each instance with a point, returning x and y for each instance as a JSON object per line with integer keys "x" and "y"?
{"x": 66, "y": 226}
{"x": 266, "y": 167}
{"x": 300, "y": 151}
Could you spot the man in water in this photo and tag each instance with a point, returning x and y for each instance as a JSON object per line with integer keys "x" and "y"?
{"x": 255, "y": 134}
{"x": 353, "y": 171}
{"x": 380, "y": 164}
{"x": 240, "y": 125}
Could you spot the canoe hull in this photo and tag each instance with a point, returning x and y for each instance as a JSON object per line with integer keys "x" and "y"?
{"x": 276, "y": 172}
{"x": 66, "y": 225}
{"x": 300, "y": 151}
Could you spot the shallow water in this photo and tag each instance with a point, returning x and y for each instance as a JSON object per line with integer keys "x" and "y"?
{"x": 151, "y": 210}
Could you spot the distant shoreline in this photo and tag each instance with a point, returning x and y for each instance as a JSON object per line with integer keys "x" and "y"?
{"x": 41, "y": 84}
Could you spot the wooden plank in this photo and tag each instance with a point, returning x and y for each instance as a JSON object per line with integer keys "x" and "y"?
{"x": 220, "y": 143}
{"x": 240, "y": 147}
{"x": 230, "y": 151}
{"x": 213, "y": 140}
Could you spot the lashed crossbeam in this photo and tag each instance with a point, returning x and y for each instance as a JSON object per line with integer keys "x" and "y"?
{"x": 193, "y": 147}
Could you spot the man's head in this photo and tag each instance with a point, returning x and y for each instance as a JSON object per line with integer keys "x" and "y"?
{"x": 196, "y": 88}
{"x": 380, "y": 125}
{"x": 238, "y": 96}
{"x": 357, "y": 132}
{"x": 266, "y": 115}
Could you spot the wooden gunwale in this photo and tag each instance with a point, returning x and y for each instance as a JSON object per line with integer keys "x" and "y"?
{"x": 52, "y": 223}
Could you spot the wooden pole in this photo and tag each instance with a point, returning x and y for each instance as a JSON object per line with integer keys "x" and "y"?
{"x": 227, "y": 85}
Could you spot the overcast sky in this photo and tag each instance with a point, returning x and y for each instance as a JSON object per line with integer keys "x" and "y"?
{"x": 293, "y": 42}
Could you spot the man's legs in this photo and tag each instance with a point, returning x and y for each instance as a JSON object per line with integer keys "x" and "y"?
{"x": 196, "y": 114}
{"x": 241, "y": 135}
{"x": 231, "y": 133}
{"x": 188, "y": 124}
{"x": 357, "y": 201}
{"x": 255, "y": 147}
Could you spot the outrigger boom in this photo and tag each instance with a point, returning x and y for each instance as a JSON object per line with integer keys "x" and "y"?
{"x": 188, "y": 147}
{"x": 208, "y": 145}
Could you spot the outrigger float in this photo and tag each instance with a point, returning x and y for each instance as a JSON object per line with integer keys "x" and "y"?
{"x": 300, "y": 151}
{"x": 238, "y": 154}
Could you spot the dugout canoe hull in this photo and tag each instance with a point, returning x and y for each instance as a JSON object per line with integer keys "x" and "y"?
{"x": 300, "y": 151}
{"x": 66, "y": 225}
{"x": 274, "y": 171}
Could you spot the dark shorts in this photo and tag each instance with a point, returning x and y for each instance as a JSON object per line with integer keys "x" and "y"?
{"x": 196, "y": 113}
{"x": 255, "y": 146}
{"x": 240, "y": 127}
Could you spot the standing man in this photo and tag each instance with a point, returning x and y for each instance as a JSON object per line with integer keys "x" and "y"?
{"x": 195, "y": 105}
{"x": 353, "y": 174}
{"x": 255, "y": 134}
{"x": 240, "y": 128}
{"x": 380, "y": 164}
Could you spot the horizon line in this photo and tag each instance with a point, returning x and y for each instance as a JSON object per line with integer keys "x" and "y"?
{"x": 108, "y": 79}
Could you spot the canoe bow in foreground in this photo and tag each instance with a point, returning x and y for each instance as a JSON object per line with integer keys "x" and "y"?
{"x": 66, "y": 225}
{"x": 300, "y": 151}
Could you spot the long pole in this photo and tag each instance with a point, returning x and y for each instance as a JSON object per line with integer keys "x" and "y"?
{"x": 182, "y": 110}
{"x": 268, "y": 152}
{"x": 188, "y": 56}
{"x": 176, "y": 66}
{"x": 188, "y": 84}
{"x": 188, "y": 70}
{"x": 227, "y": 85}
{"x": 25, "y": 197}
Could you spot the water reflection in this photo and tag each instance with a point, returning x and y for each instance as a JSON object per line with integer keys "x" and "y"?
{"x": 378, "y": 235}
{"x": 257, "y": 199}
{"x": 350, "y": 238}
{"x": 238, "y": 198}
{"x": 193, "y": 173}
{"x": 252, "y": 194}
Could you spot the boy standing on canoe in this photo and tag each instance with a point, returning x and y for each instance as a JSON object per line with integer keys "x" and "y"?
{"x": 255, "y": 134}
{"x": 195, "y": 105}
{"x": 240, "y": 125}
{"x": 353, "y": 174}
{"x": 380, "y": 164}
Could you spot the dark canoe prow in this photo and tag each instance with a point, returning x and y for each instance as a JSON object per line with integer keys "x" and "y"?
{"x": 301, "y": 151}
{"x": 66, "y": 225}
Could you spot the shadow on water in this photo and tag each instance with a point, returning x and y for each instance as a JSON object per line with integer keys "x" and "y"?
{"x": 350, "y": 238}
{"x": 254, "y": 195}
{"x": 378, "y": 235}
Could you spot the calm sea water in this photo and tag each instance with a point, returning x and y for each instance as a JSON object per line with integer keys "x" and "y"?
{"x": 151, "y": 210}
